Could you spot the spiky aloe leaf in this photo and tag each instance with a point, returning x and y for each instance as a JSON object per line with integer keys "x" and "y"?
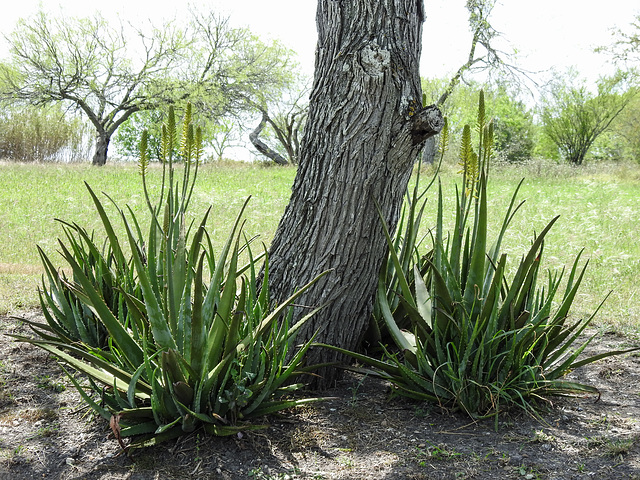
{"x": 159, "y": 325}
{"x": 399, "y": 337}
{"x": 106, "y": 223}
{"x": 475, "y": 278}
{"x": 103, "y": 371}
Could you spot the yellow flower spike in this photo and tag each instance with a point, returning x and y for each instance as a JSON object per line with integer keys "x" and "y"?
{"x": 143, "y": 163}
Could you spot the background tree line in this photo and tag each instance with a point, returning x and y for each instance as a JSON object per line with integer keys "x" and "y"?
{"x": 66, "y": 77}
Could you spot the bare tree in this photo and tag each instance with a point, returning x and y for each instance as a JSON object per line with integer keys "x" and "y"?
{"x": 286, "y": 123}
{"x": 365, "y": 128}
{"x": 263, "y": 148}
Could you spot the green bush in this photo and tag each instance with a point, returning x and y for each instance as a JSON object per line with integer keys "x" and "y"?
{"x": 164, "y": 350}
{"x": 219, "y": 134}
{"x": 515, "y": 135}
{"x": 515, "y": 130}
{"x": 477, "y": 340}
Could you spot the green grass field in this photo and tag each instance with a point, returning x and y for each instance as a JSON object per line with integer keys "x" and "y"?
{"x": 599, "y": 207}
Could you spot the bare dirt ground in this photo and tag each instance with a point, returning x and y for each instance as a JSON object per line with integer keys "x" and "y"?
{"x": 359, "y": 434}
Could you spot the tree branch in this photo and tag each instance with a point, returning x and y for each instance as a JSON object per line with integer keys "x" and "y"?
{"x": 262, "y": 147}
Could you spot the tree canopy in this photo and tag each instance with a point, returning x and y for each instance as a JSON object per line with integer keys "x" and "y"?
{"x": 625, "y": 48}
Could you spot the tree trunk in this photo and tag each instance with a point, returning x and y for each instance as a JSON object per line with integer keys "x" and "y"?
{"x": 365, "y": 128}
{"x": 429, "y": 151}
{"x": 262, "y": 147}
{"x": 102, "y": 146}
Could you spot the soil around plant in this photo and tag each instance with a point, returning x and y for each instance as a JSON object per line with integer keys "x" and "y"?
{"x": 358, "y": 433}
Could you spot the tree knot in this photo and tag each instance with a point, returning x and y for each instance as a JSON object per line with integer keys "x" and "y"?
{"x": 425, "y": 123}
{"x": 375, "y": 60}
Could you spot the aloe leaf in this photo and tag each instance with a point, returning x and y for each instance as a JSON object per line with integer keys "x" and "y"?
{"x": 423, "y": 299}
{"x": 600, "y": 356}
{"x": 130, "y": 348}
{"x": 456, "y": 246}
{"x": 195, "y": 354}
{"x": 398, "y": 337}
{"x": 390, "y": 369}
{"x": 51, "y": 294}
{"x": 491, "y": 301}
{"x": 137, "y": 429}
{"x": 402, "y": 280}
{"x": 113, "y": 238}
{"x": 525, "y": 265}
{"x": 156, "y": 439}
{"x": 566, "y": 363}
{"x": 266, "y": 388}
{"x": 227, "y": 308}
{"x": 131, "y": 391}
{"x": 560, "y": 340}
{"x": 218, "y": 273}
{"x": 279, "y": 311}
{"x": 103, "y": 412}
{"x": 525, "y": 289}
{"x": 137, "y": 312}
{"x": 572, "y": 290}
{"x": 564, "y": 387}
{"x": 442, "y": 300}
{"x": 511, "y": 212}
{"x": 293, "y": 366}
{"x": 475, "y": 278}
{"x": 224, "y": 327}
{"x": 159, "y": 326}
{"x": 228, "y": 430}
{"x": 106, "y": 377}
{"x": 264, "y": 291}
{"x": 46, "y": 332}
{"x": 211, "y": 376}
{"x": 80, "y": 358}
{"x": 567, "y": 335}
{"x": 574, "y": 331}
{"x": 417, "y": 383}
{"x": 419, "y": 324}
{"x": 178, "y": 275}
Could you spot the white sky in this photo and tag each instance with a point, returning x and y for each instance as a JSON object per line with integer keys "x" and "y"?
{"x": 545, "y": 33}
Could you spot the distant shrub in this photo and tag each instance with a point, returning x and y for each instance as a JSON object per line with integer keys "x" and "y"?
{"x": 41, "y": 134}
{"x": 514, "y": 129}
{"x": 218, "y": 135}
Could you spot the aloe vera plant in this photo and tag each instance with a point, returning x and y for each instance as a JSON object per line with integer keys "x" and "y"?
{"x": 180, "y": 350}
{"x": 65, "y": 313}
{"x": 478, "y": 339}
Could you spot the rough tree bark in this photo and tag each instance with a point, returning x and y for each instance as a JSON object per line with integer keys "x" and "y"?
{"x": 429, "y": 151}
{"x": 105, "y": 128}
{"x": 102, "y": 147}
{"x": 365, "y": 128}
